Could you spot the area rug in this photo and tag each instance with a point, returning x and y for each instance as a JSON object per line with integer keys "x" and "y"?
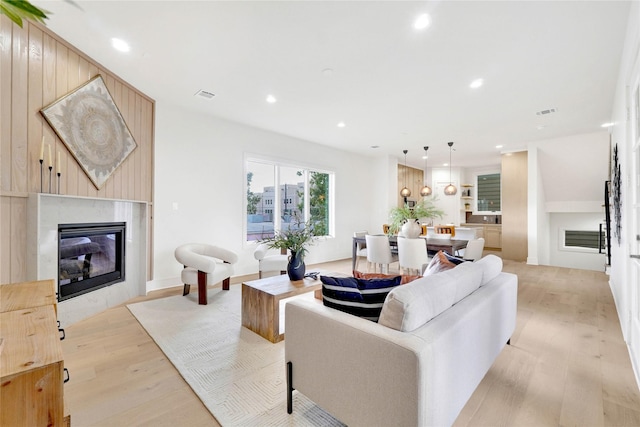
{"x": 238, "y": 375}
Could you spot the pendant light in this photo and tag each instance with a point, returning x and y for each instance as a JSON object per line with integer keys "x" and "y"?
{"x": 450, "y": 189}
{"x": 405, "y": 192}
{"x": 426, "y": 190}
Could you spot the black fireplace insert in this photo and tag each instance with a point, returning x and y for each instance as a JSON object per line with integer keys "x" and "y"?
{"x": 90, "y": 256}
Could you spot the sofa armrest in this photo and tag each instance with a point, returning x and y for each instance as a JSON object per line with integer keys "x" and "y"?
{"x": 318, "y": 338}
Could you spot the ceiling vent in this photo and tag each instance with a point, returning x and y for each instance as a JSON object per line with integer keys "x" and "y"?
{"x": 204, "y": 94}
{"x": 547, "y": 111}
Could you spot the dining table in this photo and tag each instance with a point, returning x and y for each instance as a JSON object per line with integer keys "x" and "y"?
{"x": 434, "y": 244}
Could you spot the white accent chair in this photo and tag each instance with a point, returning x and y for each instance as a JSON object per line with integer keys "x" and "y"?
{"x": 361, "y": 248}
{"x": 270, "y": 262}
{"x": 412, "y": 254}
{"x": 205, "y": 265}
{"x": 379, "y": 252}
{"x": 474, "y": 249}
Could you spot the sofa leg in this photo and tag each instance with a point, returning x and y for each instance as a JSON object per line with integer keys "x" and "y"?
{"x": 509, "y": 341}
{"x": 186, "y": 289}
{"x": 289, "y": 388}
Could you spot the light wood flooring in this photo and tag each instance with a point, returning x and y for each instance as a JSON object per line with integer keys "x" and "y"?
{"x": 568, "y": 364}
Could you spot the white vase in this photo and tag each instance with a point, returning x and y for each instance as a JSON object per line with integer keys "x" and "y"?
{"x": 411, "y": 229}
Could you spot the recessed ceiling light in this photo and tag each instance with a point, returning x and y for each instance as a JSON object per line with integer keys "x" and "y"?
{"x": 422, "y": 22}
{"x": 271, "y": 99}
{"x": 341, "y": 125}
{"x": 445, "y": 164}
{"x": 606, "y": 125}
{"x": 476, "y": 83}
{"x": 120, "y": 45}
{"x": 425, "y": 157}
{"x": 498, "y": 146}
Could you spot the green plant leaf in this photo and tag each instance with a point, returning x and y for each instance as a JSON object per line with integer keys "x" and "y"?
{"x": 17, "y": 10}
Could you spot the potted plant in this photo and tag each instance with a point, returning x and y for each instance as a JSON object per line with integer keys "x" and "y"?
{"x": 295, "y": 239}
{"x": 405, "y": 218}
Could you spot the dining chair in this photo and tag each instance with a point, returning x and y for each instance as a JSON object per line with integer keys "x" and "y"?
{"x": 412, "y": 254}
{"x": 361, "y": 248}
{"x": 379, "y": 252}
{"x": 474, "y": 249}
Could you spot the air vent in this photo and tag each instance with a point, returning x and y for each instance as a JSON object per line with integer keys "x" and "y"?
{"x": 547, "y": 111}
{"x": 204, "y": 94}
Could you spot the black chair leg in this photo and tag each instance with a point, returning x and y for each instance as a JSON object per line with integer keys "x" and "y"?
{"x": 289, "y": 389}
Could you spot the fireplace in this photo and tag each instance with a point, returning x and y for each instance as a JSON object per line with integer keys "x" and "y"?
{"x": 90, "y": 256}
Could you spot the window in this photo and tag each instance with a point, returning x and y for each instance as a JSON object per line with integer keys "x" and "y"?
{"x": 489, "y": 193}
{"x": 582, "y": 240}
{"x": 282, "y": 196}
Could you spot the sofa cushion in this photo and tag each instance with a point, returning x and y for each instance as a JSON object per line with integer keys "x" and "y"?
{"x": 410, "y": 306}
{"x": 491, "y": 267}
{"x": 360, "y": 297}
{"x": 404, "y": 279}
{"x": 441, "y": 261}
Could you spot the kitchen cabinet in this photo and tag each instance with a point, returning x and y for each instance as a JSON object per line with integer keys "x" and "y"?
{"x": 492, "y": 234}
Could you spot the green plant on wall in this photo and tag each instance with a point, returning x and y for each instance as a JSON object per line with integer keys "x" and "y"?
{"x": 17, "y": 10}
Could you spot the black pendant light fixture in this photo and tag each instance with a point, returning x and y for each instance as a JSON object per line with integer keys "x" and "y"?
{"x": 426, "y": 190}
{"x": 450, "y": 189}
{"x": 405, "y": 192}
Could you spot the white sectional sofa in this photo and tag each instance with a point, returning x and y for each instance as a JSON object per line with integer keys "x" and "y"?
{"x": 435, "y": 340}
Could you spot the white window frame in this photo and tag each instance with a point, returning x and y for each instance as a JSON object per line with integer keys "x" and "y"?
{"x": 279, "y": 163}
{"x": 476, "y": 191}
{"x": 562, "y": 244}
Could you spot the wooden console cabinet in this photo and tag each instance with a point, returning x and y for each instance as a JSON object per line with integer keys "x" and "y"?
{"x": 31, "y": 361}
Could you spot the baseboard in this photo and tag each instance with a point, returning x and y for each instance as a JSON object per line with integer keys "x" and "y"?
{"x": 172, "y": 282}
{"x": 154, "y": 285}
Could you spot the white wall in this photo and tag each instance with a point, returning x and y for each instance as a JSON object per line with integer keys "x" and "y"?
{"x": 451, "y": 205}
{"x": 573, "y": 258}
{"x": 199, "y": 167}
{"x": 624, "y": 291}
{"x": 561, "y": 186}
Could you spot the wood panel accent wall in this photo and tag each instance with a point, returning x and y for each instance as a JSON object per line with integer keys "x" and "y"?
{"x": 36, "y": 68}
{"x": 514, "y": 206}
{"x": 414, "y": 179}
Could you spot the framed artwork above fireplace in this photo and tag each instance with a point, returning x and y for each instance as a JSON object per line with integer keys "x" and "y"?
{"x": 91, "y": 126}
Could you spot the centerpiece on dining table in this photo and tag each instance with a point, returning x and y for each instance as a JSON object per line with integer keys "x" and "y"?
{"x": 294, "y": 238}
{"x": 405, "y": 220}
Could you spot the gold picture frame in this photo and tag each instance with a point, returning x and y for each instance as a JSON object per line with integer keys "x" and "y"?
{"x": 91, "y": 126}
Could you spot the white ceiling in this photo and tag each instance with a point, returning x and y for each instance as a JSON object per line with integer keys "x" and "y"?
{"x": 393, "y": 86}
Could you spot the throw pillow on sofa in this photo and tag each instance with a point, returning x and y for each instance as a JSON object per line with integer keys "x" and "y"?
{"x": 405, "y": 278}
{"x": 360, "y": 297}
{"x": 441, "y": 261}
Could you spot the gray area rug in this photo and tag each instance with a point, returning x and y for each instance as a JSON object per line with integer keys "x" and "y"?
{"x": 238, "y": 375}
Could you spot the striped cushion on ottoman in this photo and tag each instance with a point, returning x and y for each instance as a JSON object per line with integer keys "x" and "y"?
{"x": 360, "y": 297}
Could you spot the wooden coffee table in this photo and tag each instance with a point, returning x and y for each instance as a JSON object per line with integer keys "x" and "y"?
{"x": 261, "y": 302}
